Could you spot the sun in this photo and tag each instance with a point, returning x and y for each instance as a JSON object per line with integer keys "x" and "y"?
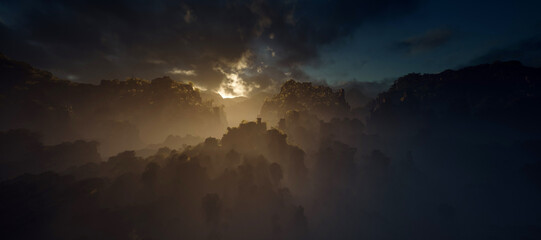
{"x": 233, "y": 87}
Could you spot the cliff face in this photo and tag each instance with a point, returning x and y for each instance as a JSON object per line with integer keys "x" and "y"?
{"x": 126, "y": 113}
{"x": 303, "y": 96}
{"x": 502, "y": 92}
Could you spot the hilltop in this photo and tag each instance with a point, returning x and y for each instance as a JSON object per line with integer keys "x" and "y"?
{"x": 306, "y": 97}
{"x": 502, "y": 92}
{"x": 121, "y": 113}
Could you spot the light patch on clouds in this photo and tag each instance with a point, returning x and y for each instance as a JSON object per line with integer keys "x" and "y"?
{"x": 243, "y": 62}
{"x": 183, "y": 72}
{"x": 234, "y": 86}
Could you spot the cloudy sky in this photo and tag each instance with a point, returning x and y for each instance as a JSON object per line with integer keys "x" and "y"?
{"x": 238, "y": 47}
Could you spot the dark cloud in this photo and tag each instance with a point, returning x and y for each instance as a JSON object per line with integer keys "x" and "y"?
{"x": 430, "y": 40}
{"x": 91, "y": 40}
{"x": 527, "y": 51}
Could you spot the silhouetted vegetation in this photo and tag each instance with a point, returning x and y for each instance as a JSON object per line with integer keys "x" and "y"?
{"x": 501, "y": 93}
{"x": 303, "y": 96}
{"x": 433, "y": 161}
{"x": 23, "y": 152}
{"x": 118, "y": 114}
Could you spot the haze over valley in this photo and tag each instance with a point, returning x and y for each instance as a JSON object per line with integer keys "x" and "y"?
{"x": 270, "y": 120}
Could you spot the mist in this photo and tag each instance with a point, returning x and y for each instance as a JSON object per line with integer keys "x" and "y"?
{"x": 270, "y": 119}
{"x": 161, "y": 159}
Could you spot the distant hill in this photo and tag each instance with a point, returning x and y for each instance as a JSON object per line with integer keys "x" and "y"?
{"x": 358, "y": 94}
{"x": 303, "y": 96}
{"x": 503, "y": 92}
{"x": 120, "y": 114}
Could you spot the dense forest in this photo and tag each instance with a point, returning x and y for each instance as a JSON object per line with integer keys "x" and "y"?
{"x": 120, "y": 114}
{"x": 428, "y": 161}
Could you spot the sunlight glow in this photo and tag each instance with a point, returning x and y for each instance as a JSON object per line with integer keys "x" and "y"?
{"x": 195, "y": 86}
{"x": 233, "y": 86}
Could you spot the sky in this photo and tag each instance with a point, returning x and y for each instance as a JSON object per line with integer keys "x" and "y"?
{"x": 240, "y": 47}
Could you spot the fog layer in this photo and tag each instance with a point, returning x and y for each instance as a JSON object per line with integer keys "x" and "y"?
{"x": 453, "y": 155}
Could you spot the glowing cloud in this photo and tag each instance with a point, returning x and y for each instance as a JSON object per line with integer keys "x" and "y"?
{"x": 243, "y": 62}
{"x": 233, "y": 86}
{"x": 183, "y": 72}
